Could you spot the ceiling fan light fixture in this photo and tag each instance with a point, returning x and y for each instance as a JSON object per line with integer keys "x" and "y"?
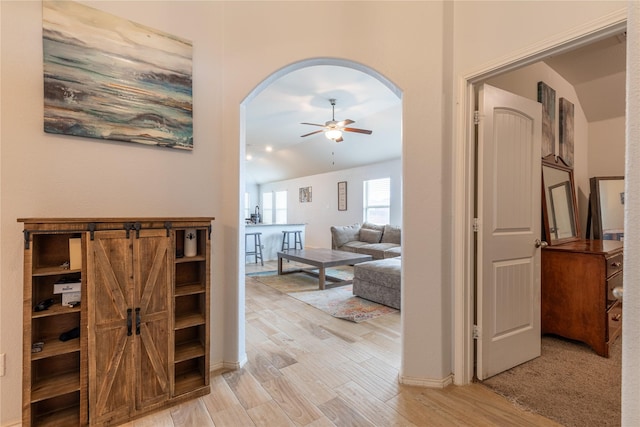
{"x": 333, "y": 134}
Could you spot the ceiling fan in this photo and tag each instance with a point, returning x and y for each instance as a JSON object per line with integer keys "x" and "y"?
{"x": 332, "y": 129}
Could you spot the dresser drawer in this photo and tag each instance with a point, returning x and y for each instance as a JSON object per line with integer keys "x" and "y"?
{"x": 613, "y": 282}
{"x": 614, "y": 264}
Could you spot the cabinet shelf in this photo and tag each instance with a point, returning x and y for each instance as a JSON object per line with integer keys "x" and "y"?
{"x": 53, "y": 271}
{"x": 188, "y": 350}
{"x": 191, "y": 259}
{"x": 56, "y": 348}
{"x": 55, "y": 310}
{"x": 189, "y": 320}
{"x": 56, "y": 385}
{"x": 189, "y": 289}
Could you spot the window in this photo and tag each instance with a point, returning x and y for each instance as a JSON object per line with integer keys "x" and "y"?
{"x": 247, "y": 214}
{"x": 281, "y": 207}
{"x": 377, "y": 201}
{"x": 274, "y": 207}
{"x": 267, "y": 208}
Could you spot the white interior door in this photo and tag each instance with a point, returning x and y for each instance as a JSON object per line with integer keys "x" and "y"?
{"x": 509, "y": 212}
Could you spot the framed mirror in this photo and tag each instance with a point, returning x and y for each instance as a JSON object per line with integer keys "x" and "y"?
{"x": 607, "y": 207}
{"x": 559, "y": 208}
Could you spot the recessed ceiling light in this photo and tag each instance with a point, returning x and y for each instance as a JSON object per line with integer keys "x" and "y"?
{"x": 249, "y": 157}
{"x": 269, "y": 148}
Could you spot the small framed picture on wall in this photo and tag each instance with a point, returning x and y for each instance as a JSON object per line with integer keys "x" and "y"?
{"x": 342, "y": 196}
{"x": 305, "y": 194}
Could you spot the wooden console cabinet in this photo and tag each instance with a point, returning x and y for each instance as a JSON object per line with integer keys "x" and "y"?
{"x": 577, "y": 283}
{"x": 142, "y": 323}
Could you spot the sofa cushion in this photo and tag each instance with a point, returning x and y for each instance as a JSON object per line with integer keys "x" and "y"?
{"x": 391, "y": 234}
{"x": 383, "y": 272}
{"x": 344, "y": 233}
{"x": 393, "y": 252}
{"x": 373, "y": 226}
{"x": 376, "y": 250}
{"x": 370, "y": 236}
{"x": 353, "y": 246}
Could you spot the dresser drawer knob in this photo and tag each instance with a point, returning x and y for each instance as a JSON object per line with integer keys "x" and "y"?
{"x": 616, "y": 264}
{"x": 616, "y": 317}
{"x": 617, "y": 292}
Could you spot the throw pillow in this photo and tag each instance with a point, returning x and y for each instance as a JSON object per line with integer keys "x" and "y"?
{"x": 370, "y": 236}
{"x": 372, "y": 226}
{"x": 391, "y": 234}
{"x": 344, "y": 233}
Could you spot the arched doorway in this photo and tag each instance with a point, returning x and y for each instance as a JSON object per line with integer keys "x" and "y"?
{"x": 316, "y": 99}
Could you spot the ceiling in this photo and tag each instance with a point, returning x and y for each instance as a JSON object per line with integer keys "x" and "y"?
{"x": 274, "y": 116}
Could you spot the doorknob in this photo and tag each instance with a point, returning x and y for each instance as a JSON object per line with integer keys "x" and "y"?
{"x": 541, "y": 243}
{"x": 617, "y": 292}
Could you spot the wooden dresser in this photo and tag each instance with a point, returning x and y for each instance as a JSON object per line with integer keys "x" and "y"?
{"x": 577, "y": 283}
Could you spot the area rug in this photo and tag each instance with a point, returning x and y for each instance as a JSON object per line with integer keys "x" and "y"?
{"x": 569, "y": 384}
{"x": 339, "y": 302}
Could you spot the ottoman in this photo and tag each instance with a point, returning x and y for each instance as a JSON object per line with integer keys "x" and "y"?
{"x": 378, "y": 281}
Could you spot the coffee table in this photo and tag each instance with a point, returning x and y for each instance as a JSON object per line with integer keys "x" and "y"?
{"x": 321, "y": 258}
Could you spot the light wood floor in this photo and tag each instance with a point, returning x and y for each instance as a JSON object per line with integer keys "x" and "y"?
{"x": 307, "y": 368}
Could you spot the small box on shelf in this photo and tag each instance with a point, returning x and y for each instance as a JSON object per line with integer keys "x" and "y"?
{"x": 70, "y": 292}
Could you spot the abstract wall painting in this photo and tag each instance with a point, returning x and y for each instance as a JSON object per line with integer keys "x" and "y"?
{"x": 566, "y": 131}
{"x": 547, "y": 96}
{"x": 305, "y": 194}
{"x": 109, "y": 78}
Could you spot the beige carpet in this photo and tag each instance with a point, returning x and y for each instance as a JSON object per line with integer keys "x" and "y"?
{"x": 569, "y": 383}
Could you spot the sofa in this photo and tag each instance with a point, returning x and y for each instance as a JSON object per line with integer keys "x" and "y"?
{"x": 379, "y": 241}
{"x": 378, "y": 281}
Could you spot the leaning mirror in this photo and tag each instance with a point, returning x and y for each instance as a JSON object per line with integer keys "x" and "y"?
{"x": 607, "y": 207}
{"x": 559, "y": 213}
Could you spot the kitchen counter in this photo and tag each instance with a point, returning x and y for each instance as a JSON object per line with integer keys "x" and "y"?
{"x": 271, "y": 238}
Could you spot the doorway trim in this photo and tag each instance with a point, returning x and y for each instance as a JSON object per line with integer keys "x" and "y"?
{"x": 464, "y": 172}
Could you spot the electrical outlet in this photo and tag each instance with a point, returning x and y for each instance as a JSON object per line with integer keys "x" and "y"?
{"x": 3, "y": 358}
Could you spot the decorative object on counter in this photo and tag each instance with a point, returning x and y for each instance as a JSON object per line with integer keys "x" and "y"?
{"x": 190, "y": 242}
{"x": 547, "y": 96}
{"x": 606, "y": 207}
{"x": 566, "y": 131}
{"x": 305, "y": 194}
{"x": 342, "y": 196}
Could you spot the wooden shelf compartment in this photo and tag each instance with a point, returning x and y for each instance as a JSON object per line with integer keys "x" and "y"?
{"x": 58, "y": 411}
{"x": 50, "y": 251}
{"x": 44, "y": 329}
{"x": 189, "y": 310}
{"x": 188, "y": 273}
{"x": 55, "y": 348}
{"x": 189, "y": 375}
{"x": 202, "y": 245}
{"x": 190, "y": 343}
{"x": 55, "y": 376}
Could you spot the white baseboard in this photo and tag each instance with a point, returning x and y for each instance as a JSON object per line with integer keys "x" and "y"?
{"x": 426, "y": 382}
{"x": 228, "y": 365}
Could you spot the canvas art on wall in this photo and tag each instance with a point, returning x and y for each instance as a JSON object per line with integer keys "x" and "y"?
{"x": 566, "y": 131}
{"x": 547, "y": 96}
{"x": 305, "y": 194}
{"x": 109, "y": 78}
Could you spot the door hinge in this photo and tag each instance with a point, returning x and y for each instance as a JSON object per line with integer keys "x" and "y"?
{"x": 476, "y": 117}
{"x": 476, "y": 225}
{"x": 476, "y": 332}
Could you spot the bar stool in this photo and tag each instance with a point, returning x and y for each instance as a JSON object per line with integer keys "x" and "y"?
{"x": 257, "y": 246}
{"x": 286, "y": 242}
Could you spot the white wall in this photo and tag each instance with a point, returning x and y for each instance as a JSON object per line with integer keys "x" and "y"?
{"x": 606, "y": 147}
{"x": 322, "y": 212}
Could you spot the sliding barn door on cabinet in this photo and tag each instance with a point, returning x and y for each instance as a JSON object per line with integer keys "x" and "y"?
{"x": 129, "y": 280}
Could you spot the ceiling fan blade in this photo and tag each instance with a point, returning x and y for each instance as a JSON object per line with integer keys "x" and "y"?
{"x": 311, "y": 133}
{"x": 344, "y": 123}
{"x": 312, "y": 124}
{"x": 368, "y": 132}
